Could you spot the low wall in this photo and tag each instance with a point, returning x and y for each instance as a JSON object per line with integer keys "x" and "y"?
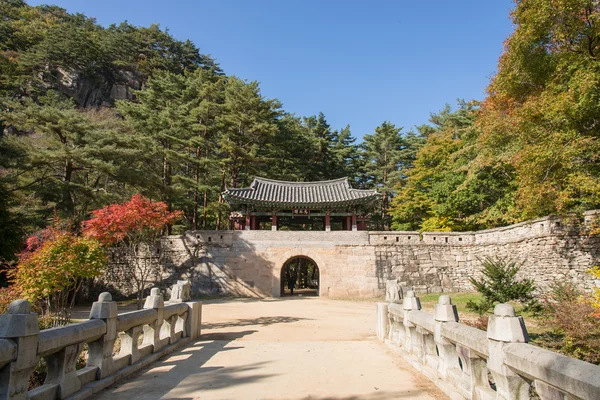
{"x": 460, "y": 359}
{"x": 357, "y": 264}
{"x": 162, "y": 327}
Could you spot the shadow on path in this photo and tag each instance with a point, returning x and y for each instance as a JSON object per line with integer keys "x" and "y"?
{"x": 169, "y": 373}
{"x": 263, "y": 321}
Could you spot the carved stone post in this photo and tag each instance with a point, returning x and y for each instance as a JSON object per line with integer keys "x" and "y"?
{"x": 383, "y": 322}
{"x": 20, "y": 326}
{"x": 504, "y": 327}
{"x": 444, "y": 312}
{"x": 411, "y": 340}
{"x": 152, "y": 331}
{"x": 62, "y": 371}
{"x": 474, "y": 370}
{"x": 129, "y": 344}
{"x": 101, "y": 350}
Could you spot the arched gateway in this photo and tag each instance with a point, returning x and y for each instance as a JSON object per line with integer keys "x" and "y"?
{"x": 300, "y": 276}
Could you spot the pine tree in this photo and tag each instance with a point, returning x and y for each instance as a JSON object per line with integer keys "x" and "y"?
{"x": 383, "y": 158}
{"x": 64, "y": 158}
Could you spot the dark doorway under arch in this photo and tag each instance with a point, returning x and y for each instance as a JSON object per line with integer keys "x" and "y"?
{"x": 300, "y": 277}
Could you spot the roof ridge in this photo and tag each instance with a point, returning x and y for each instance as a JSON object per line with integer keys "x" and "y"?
{"x": 344, "y": 179}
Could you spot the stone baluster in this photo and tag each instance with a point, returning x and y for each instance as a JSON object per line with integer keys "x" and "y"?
{"x": 474, "y": 370}
{"x": 397, "y": 330}
{"x": 62, "y": 370}
{"x": 383, "y": 321}
{"x": 181, "y": 325}
{"x": 20, "y": 325}
{"x": 152, "y": 331}
{"x": 411, "y": 339}
{"x": 427, "y": 346}
{"x": 129, "y": 344}
{"x": 444, "y": 312}
{"x": 170, "y": 325}
{"x": 101, "y": 350}
{"x": 504, "y": 327}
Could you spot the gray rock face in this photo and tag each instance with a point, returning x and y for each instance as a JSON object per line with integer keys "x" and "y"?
{"x": 95, "y": 92}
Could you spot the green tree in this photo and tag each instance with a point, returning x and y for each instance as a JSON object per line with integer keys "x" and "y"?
{"x": 541, "y": 115}
{"x": 386, "y": 157}
{"x": 447, "y": 189}
{"x": 346, "y": 155}
{"x": 65, "y": 159}
{"x": 499, "y": 284}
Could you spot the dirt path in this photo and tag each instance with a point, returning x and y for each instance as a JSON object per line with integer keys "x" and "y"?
{"x": 296, "y": 348}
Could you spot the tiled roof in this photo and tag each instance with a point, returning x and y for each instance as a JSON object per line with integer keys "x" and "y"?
{"x": 269, "y": 192}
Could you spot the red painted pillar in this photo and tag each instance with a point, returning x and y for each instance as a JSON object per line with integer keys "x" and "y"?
{"x": 254, "y": 222}
{"x": 348, "y": 223}
{"x": 327, "y": 223}
{"x": 354, "y": 227}
{"x": 248, "y": 219}
{"x": 274, "y": 222}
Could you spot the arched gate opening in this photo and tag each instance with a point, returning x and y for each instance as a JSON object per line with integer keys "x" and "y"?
{"x": 300, "y": 277}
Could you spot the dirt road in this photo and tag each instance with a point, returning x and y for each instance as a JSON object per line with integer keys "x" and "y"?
{"x": 293, "y": 348}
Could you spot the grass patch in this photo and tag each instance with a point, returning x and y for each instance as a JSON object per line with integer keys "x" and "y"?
{"x": 459, "y": 299}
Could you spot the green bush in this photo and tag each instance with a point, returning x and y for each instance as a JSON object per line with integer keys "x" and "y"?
{"x": 499, "y": 284}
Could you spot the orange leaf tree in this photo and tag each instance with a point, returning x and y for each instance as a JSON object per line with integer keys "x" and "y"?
{"x": 133, "y": 229}
{"x": 52, "y": 268}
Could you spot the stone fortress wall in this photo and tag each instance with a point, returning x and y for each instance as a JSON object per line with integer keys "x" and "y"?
{"x": 357, "y": 264}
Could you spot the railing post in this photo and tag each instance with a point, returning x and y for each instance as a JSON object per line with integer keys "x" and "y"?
{"x": 100, "y": 354}
{"x": 152, "y": 331}
{"x": 411, "y": 341}
{"x": 194, "y": 319}
{"x": 504, "y": 327}
{"x": 20, "y": 325}
{"x": 383, "y": 321}
{"x": 444, "y": 312}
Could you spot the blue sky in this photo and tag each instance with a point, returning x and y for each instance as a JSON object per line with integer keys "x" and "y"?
{"x": 359, "y": 62}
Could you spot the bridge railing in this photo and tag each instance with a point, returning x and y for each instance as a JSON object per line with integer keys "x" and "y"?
{"x": 145, "y": 335}
{"x": 469, "y": 363}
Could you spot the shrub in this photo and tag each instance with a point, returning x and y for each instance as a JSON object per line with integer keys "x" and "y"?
{"x": 499, "y": 285}
{"x": 572, "y": 315}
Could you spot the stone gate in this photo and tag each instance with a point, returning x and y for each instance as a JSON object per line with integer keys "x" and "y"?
{"x": 358, "y": 263}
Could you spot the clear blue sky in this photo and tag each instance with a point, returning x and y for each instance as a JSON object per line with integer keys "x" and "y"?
{"x": 360, "y": 62}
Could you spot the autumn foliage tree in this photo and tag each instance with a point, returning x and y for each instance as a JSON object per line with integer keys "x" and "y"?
{"x": 52, "y": 269}
{"x": 133, "y": 228}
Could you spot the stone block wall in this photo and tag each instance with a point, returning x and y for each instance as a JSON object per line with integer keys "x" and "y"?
{"x": 357, "y": 264}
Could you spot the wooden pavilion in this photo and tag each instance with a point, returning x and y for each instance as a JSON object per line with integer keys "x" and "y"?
{"x": 322, "y": 205}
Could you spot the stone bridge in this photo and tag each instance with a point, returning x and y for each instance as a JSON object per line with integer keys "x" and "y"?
{"x": 296, "y": 348}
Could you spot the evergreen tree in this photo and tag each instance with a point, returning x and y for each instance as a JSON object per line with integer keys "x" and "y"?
{"x": 385, "y": 161}
{"x": 64, "y": 159}
{"x": 345, "y": 155}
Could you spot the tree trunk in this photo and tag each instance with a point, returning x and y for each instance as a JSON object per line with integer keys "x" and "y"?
{"x": 67, "y": 199}
{"x": 196, "y": 193}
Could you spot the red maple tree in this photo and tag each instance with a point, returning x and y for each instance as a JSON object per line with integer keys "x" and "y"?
{"x": 133, "y": 230}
